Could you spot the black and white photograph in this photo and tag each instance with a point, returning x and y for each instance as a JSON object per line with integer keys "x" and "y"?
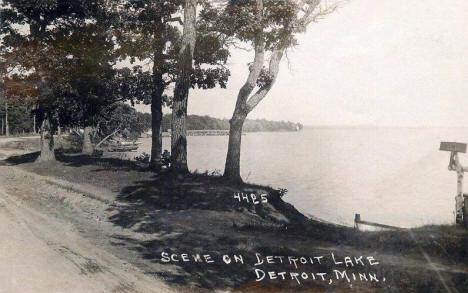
{"x": 166, "y": 146}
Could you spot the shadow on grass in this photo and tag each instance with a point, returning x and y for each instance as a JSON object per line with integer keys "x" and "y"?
{"x": 176, "y": 192}
{"x": 79, "y": 160}
{"x": 195, "y": 214}
{"x": 22, "y": 159}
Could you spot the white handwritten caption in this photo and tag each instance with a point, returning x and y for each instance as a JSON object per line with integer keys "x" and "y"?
{"x": 251, "y": 198}
{"x": 296, "y": 263}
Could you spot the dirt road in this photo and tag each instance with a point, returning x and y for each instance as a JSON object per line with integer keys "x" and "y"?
{"x": 43, "y": 253}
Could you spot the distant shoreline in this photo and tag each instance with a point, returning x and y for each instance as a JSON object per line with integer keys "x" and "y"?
{"x": 212, "y": 132}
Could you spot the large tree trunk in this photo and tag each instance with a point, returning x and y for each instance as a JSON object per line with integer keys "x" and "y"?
{"x": 156, "y": 139}
{"x": 7, "y": 126}
{"x": 181, "y": 91}
{"x": 156, "y": 101}
{"x": 87, "y": 148}
{"x": 247, "y": 102}
{"x": 244, "y": 106}
{"x": 34, "y": 123}
{"x": 47, "y": 141}
{"x": 59, "y": 142}
{"x": 232, "y": 167}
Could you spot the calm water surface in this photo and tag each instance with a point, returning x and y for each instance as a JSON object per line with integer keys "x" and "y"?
{"x": 395, "y": 176}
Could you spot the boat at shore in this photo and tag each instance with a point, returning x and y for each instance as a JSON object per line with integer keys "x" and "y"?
{"x": 122, "y": 146}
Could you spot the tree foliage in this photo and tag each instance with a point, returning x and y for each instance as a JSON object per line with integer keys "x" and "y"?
{"x": 142, "y": 28}
{"x": 197, "y": 122}
{"x": 69, "y": 53}
{"x": 130, "y": 123}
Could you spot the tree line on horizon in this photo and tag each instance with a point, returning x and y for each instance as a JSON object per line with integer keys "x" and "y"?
{"x": 134, "y": 123}
{"x": 71, "y": 63}
{"x": 197, "y": 122}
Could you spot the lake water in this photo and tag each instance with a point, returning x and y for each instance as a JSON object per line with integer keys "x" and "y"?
{"x": 395, "y": 176}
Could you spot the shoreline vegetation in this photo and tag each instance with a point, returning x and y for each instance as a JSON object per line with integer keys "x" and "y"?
{"x": 199, "y": 123}
{"x": 171, "y": 218}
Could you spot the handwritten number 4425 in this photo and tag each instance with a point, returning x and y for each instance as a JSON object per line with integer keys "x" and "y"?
{"x": 252, "y": 197}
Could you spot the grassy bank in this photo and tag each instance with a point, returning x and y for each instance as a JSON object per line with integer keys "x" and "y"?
{"x": 198, "y": 214}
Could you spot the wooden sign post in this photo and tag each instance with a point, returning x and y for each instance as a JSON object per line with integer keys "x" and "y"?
{"x": 461, "y": 199}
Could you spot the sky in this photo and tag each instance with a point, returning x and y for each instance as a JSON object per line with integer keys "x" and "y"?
{"x": 381, "y": 63}
{"x": 372, "y": 62}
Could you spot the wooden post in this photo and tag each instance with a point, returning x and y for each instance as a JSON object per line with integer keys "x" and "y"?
{"x": 454, "y": 165}
{"x": 465, "y": 211}
{"x": 460, "y": 183}
{"x": 357, "y": 219}
{"x": 462, "y": 217}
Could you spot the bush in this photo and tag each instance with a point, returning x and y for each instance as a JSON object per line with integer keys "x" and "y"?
{"x": 143, "y": 158}
{"x": 282, "y": 192}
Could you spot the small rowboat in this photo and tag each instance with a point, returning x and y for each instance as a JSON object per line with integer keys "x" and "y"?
{"x": 122, "y": 146}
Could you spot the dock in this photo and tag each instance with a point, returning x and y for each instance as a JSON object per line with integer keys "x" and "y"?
{"x": 207, "y": 132}
{"x": 200, "y": 133}
{"x": 358, "y": 221}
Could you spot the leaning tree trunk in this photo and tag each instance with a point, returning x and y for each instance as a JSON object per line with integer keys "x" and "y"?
{"x": 181, "y": 91}
{"x": 47, "y": 141}
{"x": 232, "y": 166}
{"x": 245, "y": 101}
{"x": 245, "y": 105}
{"x": 156, "y": 101}
{"x": 87, "y": 147}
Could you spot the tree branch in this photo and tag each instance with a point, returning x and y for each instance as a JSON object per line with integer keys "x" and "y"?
{"x": 312, "y": 13}
{"x": 107, "y": 137}
{"x": 79, "y": 134}
{"x": 273, "y": 70}
{"x": 256, "y": 67}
